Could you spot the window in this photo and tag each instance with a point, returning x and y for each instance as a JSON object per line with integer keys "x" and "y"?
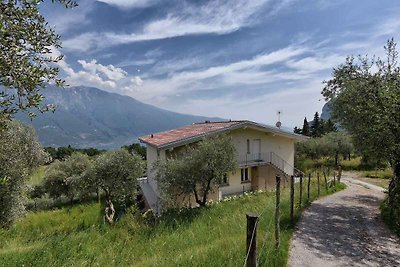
{"x": 248, "y": 146}
{"x": 244, "y": 174}
{"x": 225, "y": 180}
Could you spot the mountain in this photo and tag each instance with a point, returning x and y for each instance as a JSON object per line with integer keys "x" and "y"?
{"x": 326, "y": 113}
{"x": 90, "y": 117}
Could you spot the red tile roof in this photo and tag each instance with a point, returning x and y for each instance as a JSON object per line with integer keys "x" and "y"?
{"x": 186, "y": 132}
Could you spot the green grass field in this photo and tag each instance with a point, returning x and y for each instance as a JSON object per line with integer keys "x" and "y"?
{"x": 212, "y": 236}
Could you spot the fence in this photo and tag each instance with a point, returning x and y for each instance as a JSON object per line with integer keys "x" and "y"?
{"x": 253, "y": 220}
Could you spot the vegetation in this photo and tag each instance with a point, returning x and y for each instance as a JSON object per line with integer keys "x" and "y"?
{"x": 329, "y": 146}
{"x": 116, "y": 173}
{"x": 66, "y": 177}
{"x": 318, "y": 127}
{"x": 197, "y": 170}
{"x": 26, "y": 57}
{"x": 61, "y": 153}
{"x": 137, "y": 149}
{"x": 365, "y": 98}
{"x": 20, "y": 154}
{"x": 76, "y": 236}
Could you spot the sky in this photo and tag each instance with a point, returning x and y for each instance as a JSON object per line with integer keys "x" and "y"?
{"x": 234, "y": 59}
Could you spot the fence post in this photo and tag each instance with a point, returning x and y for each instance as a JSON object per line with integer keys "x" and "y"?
{"x": 277, "y": 212}
{"x": 251, "y": 252}
{"x": 319, "y": 185}
{"x": 326, "y": 180}
{"x": 308, "y": 187}
{"x": 339, "y": 173}
{"x": 301, "y": 190}
{"x": 292, "y": 200}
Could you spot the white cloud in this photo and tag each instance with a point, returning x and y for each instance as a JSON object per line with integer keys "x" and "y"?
{"x": 124, "y": 4}
{"x": 216, "y": 17}
{"x": 111, "y": 72}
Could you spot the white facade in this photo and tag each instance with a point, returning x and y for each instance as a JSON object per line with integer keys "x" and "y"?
{"x": 264, "y": 154}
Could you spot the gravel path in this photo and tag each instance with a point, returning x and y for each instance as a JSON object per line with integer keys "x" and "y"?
{"x": 345, "y": 229}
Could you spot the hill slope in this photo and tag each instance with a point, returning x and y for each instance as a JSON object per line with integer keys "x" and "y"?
{"x": 90, "y": 117}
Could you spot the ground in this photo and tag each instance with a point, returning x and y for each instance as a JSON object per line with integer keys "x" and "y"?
{"x": 345, "y": 229}
{"x": 382, "y": 182}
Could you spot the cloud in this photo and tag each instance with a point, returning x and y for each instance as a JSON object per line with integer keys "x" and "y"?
{"x": 128, "y": 4}
{"x": 111, "y": 72}
{"x": 215, "y": 17}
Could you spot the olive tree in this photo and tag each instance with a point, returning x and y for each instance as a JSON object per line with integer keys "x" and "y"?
{"x": 331, "y": 146}
{"x": 66, "y": 177}
{"x": 116, "y": 173}
{"x": 197, "y": 170}
{"x": 26, "y": 61}
{"x": 20, "y": 154}
{"x": 365, "y": 97}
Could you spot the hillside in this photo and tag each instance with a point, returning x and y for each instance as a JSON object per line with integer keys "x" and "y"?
{"x": 90, "y": 117}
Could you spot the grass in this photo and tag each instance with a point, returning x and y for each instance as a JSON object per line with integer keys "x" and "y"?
{"x": 37, "y": 176}
{"x": 211, "y": 236}
{"x": 389, "y": 219}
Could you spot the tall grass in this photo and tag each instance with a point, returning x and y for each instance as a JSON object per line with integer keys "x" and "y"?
{"x": 211, "y": 236}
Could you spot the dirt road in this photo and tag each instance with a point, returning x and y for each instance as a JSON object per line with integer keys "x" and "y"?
{"x": 345, "y": 229}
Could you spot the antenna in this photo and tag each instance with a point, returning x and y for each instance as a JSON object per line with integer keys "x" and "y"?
{"x": 279, "y": 123}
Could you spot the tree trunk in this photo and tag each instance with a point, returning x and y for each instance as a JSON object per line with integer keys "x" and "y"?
{"x": 336, "y": 158}
{"x": 394, "y": 193}
{"x": 205, "y": 194}
{"x": 109, "y": 211}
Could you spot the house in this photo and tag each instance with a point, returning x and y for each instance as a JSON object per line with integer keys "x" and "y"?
{"x": 262, "y": 152}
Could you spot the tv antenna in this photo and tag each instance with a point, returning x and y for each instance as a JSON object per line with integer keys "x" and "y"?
{"x": 279, "y": 123}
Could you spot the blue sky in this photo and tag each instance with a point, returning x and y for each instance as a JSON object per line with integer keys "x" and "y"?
{"x": 233, "y": 59}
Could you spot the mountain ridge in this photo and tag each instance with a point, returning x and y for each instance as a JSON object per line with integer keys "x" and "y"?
{"x": 90, "y": 117}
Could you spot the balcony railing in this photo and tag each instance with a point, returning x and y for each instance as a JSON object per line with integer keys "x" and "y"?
{"x": 253, "y": 159}
{"x": 256, "y": 159}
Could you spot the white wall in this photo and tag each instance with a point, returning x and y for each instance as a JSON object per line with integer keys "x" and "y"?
{"x": 282, "y": 146}
{"x": 151, "y": 158}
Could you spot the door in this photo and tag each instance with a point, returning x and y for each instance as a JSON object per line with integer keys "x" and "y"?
{"x": 257, "y": 149}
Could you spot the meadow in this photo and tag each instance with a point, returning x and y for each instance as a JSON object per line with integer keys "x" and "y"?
{"x": 211, "y": 236}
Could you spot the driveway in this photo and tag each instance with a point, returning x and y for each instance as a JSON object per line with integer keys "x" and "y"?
{"x": 345, "y": 229}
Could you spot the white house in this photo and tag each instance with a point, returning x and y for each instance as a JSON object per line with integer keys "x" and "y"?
{"x": 262, "y": 152}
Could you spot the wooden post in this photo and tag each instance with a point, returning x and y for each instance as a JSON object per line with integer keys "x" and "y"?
{"x": 301, "y": 190}
{"x": 277, "y": 212}
{"x": 326, "y": 180}
{"x": 292, "y": 200}
{"x": 319, "y": 185}
{"x": 339, "y": 173}
{"x": 251, "y": 251}
{"x": 308, "y": 187}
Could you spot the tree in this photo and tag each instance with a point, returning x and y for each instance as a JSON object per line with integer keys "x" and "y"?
{"x": 331, "y": 145}
{"x": 116, "y": 173}
{"x": 297, "y": 130}
{"x": 66, "y": 177}
{"x": 26, "y": 61}
{"x": 365, "y": 96}
{"x": 20, "y": 154}
{"x": 137, "y": 149}
{"x": 306, "y": 129}
{"x": 328, "y": 126}
{"x": 316, "y": 126}
{"x": 197, "y": 170}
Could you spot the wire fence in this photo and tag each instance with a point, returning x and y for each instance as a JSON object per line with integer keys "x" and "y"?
{"x": 310, "y": 186}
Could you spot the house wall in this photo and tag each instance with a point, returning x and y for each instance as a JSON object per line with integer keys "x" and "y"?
{"x": 281, "y": 146}
{"x": 264, "y": 176}
{"x": 152, "y": 156}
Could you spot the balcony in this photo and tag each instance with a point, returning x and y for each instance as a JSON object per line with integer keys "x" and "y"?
{"x": 254, "y": 159}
